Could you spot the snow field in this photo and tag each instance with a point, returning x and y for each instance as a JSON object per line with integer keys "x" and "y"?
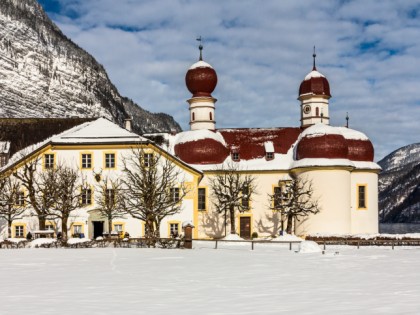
{"x": 235, "y": 280}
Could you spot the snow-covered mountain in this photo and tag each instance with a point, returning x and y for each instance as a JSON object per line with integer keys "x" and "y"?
{"x": 399, "y": 185}
{"x": 45, "y": 74}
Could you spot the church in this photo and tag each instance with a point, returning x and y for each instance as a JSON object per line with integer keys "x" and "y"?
{"x": 338, "y": 161}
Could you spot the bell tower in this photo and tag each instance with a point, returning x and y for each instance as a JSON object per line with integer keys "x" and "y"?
{"x": 314, "y": 95}
{"x": 201, "y": 80}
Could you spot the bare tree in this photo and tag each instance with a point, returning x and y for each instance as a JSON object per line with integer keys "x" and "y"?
{"x": 110, "y": 200}
{"x": 69, "y": 189}
{"x": 40, "y": 186}
{"x": 153, "y": 189}
{"x": 232, "y": 190}
{"x": 294, "y": 200}
{"x": 12, "y": 202}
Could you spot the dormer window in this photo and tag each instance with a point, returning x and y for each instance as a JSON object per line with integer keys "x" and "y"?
{"x": 235, "y": 156}
{"x": 269, "y": 150}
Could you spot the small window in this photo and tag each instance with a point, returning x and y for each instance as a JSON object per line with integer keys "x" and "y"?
{"x": 174, "y": 194}
{"x": 20, "y": 198}
{"x": 201, "y": 199}
{"x": 245, "y": 198}
{"x": 109, "y": 160}
{"x": 77, "y": 229}
{"x": 269, "y": 155}
{"x": 118, "y": 227}
{"x": 49, "y": 227}
{"x": 86, "y": 196}
{"x": 49, "y": 161}
{"x": 193, "y": 116}
{"x": 148, "y": 159}
{"x": 317, "y": 111}
{"x": 86, "y": 160}
{"x": 362, "y": 197}
{"x": 211, "y": 116}
{"x": 235, "y": 156}
{"x": 174, "y": 229}
{"x": 277, "y": 197}
{"x": 19, "y": 231}
{"x": 110, "y": 197}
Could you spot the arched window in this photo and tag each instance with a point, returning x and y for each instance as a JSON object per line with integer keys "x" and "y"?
{"x": 211, "y": 116}
{"x": 317, "y": 112}
{"x": 193, "y": 116}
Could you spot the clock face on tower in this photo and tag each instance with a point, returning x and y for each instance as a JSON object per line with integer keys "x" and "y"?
{"x": 307, "y": 109}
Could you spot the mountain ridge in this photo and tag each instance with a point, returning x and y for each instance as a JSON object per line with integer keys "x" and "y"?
{"x": 399, "y": 185}
{"x": 44, "y": 74}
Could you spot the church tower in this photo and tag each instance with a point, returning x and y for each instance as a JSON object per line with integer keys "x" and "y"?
{"x": 314, "y": 93}
{"x": 201, "y": 80}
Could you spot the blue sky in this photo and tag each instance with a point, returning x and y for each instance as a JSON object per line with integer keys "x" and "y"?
{"x": 261, "y": 50}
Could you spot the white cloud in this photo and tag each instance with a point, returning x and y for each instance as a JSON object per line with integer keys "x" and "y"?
{"x": 261, "y": 52}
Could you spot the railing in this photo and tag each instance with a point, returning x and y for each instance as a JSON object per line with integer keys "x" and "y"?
{"x": 358, "y": 243}
{"x": 252, "y": 242}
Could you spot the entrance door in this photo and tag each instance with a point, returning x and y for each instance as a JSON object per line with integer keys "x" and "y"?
{"x": 98, "y": 228}
{"x": 245, "y": 227}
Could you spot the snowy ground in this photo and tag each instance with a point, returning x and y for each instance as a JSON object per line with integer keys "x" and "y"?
{"x": 231, "y": 280}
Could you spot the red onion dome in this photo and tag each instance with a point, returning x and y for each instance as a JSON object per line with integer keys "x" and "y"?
{"x": 360, "y": 150}
{"x": 201, "y": 79}
{"x": 201, "y": 147}
{"x": 315, "y": 83}
{"x": 329, "y": 146}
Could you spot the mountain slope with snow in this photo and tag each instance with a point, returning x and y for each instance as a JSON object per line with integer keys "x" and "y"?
{"x": 399, "y": 185}
{"x": 45, "y": 74}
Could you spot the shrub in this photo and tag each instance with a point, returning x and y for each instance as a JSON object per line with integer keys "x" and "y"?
{"x": 254, "y": 235}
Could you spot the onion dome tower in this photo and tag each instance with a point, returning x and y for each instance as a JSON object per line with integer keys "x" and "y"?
{"x": 314, "y": 93}
{"x": 201, "y": 80}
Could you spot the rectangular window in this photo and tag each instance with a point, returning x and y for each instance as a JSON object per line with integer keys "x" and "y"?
{"x": 77, "y": 229}
{"x": 362, "y": 197}
{"x": 174, "y": 229}
{"x": 235, "y": 156}
{"x": 277, "y": 197}
{"x": 49, "y": 227}
{"x": 20, "y": 198}
{"x": 148, "y": 159}
{"x": 174, "y": 194}
{"x": 269, "y": 155}
{"x": 19, "y": 231}
{"x": 86, "y": 160}
{"x": 118, "y": 227}
{"x": 86, "y": 196}
{"x": 48, "y": 161}
{"x": 245, "y": 198}
{"x": 110, "y": 197}
{"x": 201, "y": 199}
{"x": 109, "y": 160}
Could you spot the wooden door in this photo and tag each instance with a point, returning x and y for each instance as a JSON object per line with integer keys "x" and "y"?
{"x": 245, "y": 227}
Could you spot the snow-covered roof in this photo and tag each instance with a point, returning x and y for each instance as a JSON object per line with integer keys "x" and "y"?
{"x": 314, "y": 74}
{"x": 4, "y": 146}
{"x": 319, "y": 162}
{"x": 100, "y": 130}
{"x": 269, "y": 146}
{"x": 320, "y": 129}
{"x": 201, "y": 64}
{"x": 195, "y": 135}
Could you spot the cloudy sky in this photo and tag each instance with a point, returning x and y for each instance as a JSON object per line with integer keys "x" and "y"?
{"x": 261, "y": 50}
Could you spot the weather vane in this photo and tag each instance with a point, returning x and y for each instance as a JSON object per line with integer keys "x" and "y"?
{"x": 200, "y": 46}
{"x": 347, "y": 119}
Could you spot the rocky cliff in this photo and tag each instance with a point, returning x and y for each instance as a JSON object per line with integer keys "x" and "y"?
{"x": 45, "y": 74}
{"x": 399, "y": 185}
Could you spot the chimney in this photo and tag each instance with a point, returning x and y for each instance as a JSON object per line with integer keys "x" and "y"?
{"x": 127, "y": 123}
